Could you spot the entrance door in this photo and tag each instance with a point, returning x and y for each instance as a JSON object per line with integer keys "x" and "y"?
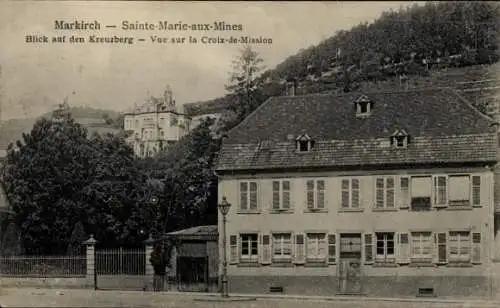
{"x": 349, "y": 268}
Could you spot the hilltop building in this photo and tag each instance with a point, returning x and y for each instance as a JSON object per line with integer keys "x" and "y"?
{"x": 155, "y": 124}
{"x": 376, "y": 193}
{"x": 158, "y": 122}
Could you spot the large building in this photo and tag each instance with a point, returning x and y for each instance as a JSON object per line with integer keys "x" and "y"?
{"x": 383, "y": 194}
{"x": 158, "y": 122}
{"x": 155, "y": 124}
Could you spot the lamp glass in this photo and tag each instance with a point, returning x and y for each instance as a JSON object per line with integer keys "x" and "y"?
{"x": 224, "y": 206}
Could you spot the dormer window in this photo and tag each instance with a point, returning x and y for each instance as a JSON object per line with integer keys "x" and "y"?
{"x": 400, "y": 139}
{"x": 304, "y": 143}
{"x": 363, "y": 106}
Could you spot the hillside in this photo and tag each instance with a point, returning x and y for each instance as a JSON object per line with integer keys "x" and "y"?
{"x": 439, "y": 44}
{"x": 95, "y": 120}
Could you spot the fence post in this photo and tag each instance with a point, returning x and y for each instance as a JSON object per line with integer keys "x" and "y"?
{"x": 91, "y": 273}
{"x": 150, "y": 273}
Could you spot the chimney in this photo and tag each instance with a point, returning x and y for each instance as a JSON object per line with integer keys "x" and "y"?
{"x": 291, "y": 84}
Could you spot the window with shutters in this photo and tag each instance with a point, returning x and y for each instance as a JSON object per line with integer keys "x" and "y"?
{"x": 404, "y": 187}
{"x": 249, "y": 247}
{"x": 384, "y": 193}
{"x": 459, "y": 243}
{"x": 315, "y": 195}
{"x": 421, "y": 246}
{"x": 385, "y": 247}
{"x": 282, "y": 246}
{"x": 281, "y": 195}
{"x": 332, "y": 251}
{"x": 316, "y": 247}
{"x": 421, "y": 193}
{"x": 459, "y": 190}
{"x": 350, "y": 194}
{"x": 248, "y": 196}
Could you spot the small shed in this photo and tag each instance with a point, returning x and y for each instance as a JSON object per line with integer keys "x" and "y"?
{"x": 195, "y": 258}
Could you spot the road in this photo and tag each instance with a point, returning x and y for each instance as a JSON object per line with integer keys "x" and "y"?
{"x": 85, "y": 298}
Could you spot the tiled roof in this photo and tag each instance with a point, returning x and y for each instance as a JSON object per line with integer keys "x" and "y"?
{"x": 443, "y": 128}
{"x": 196, "y": 233}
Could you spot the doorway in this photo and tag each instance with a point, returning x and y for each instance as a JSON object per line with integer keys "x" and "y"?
{"x": 349, "y": 268}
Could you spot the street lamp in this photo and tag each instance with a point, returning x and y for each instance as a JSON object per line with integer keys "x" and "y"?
{"x": 224, "y": 210}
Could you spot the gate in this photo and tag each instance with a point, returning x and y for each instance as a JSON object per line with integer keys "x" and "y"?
{"x": 121, "y": 269}
{"x": 349, "y": 269}
{"x": 193, "y": 275}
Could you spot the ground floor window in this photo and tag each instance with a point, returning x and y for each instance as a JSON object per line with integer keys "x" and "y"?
{"x": 385, "y": 247}
{"x": 459, "y": 245}
{"x": 249, "y": 247}
{"x": 421, "y": 246}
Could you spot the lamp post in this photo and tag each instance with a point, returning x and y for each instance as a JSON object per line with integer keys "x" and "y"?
{"x": 224, "y": 209}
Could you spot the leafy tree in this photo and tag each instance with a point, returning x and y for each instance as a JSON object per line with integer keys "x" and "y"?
{"x": 244, "y": 86}
{"x": 58, "y": 177}
{"x": 187, "y": 195}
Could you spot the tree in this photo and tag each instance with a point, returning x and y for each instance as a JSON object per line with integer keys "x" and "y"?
{"x": 244, "y": 86}
{"x": 58, "y": 177}
{"x": 42, "y": 176}
{"x": 187, "y": 195}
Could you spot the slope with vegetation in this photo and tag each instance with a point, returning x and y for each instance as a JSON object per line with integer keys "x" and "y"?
{"x": 439, "y": 43}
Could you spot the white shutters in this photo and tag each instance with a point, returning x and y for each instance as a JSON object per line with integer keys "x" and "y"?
{"x": 315, "y": 194}
{"x": 281, "y": 195}
{"x": 350, "y": 193}
{"x": 403, "y": 248}
{"x": 234, "y": 249}
{"x": 265, "y": 248}
{"x": 332, "y": 251}
{"x": 459, "y": 190}
{"x": 300, "y": 255}
{"x": 476, "y": 190}
{"x": 476, "y": 248}
{"x": 368, "y": 239}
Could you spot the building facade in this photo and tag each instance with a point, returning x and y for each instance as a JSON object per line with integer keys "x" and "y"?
{"x": 382, "y": 194}
{"x": 155, "y": 124}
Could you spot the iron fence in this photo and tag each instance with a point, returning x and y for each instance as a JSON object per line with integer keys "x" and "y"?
{"x": 121, "y": 261}
{"x": 43, "y": 266}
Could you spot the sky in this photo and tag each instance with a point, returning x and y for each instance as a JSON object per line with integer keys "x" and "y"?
{"x": 37, "y": 76}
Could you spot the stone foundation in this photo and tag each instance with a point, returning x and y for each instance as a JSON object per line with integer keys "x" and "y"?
{"x": 373, "y": 286}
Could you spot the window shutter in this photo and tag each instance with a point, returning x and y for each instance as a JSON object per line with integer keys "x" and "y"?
{"x": 476, "y": 248}
{"x": 442, "y": 251}
{"x": 404, "y": 196}
{"x": 355, "y": 193}
{"x": 345, "y": 194}
{"x": 332, "y": 253}
{"x": 476, "y": 190}
{"x": 379, "y": 193}
{"x": 265, "y": 256}
{"x": 243, "y": 195}
{"x": 276, "y": 195}
{"x": 300, "y": 257}
{"x": 253, "y": 195}
{"x": 233, "y": 249}
{"x": 286, "y": 194}
{"x": 440, "y": 191}
{"x": 310, "y": 194}
{"x": 390, "y": 193}
{"x": 368, "y": 248}
{"x": 320, "y": 191}
{"x": 403, "y": 248}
